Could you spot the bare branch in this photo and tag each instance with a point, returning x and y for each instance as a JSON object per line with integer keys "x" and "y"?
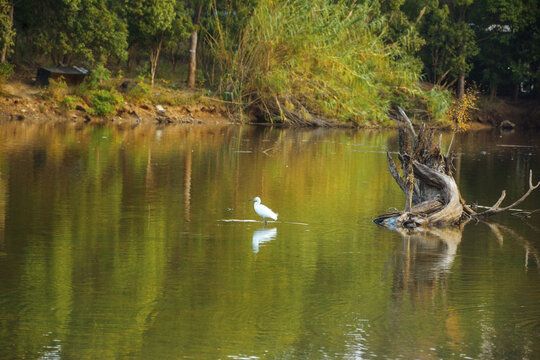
{"x": 395, "y": 173}
{"x": 450, "y": 145}
{"x": 466, "y": 208}
{"x": 407, "y": 122}
{"x": 495, "y": 208}
{"x": 498, "y": 203}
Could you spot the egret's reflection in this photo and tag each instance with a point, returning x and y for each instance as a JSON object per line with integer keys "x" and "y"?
{"x": 261, "y": 236}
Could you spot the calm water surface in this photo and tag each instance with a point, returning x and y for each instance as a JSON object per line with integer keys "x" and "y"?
{"x": 136, "y": 244}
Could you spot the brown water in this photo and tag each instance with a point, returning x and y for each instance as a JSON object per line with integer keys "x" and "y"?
{"x": 137, "y": 244}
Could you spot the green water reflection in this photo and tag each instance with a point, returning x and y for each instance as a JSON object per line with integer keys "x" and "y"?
{"x": 118, "y": 243}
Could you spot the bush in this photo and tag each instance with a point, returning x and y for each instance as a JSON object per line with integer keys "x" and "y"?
{"x": 56, "y": 90}
{"x": 438, "y": 103}
{"x": 104, "y": 102}
{"x": 70, "y": 102}
{"x": 142, "y": 91}
{"x": 98, "y": 77}
{"x": 461, "y": 109}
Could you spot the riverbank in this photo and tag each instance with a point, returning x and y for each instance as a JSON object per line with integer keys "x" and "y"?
{"x": 20, "y": 100}
{"x": 524, "y": 114}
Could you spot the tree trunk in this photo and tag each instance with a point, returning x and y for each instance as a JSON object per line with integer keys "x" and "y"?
{"x": 433, "y": 197}
{"x": 192, "y": 60}
{"x": 8, "y": 35}
{"x": 193, "y": 49}
{"x": 154, "y": 57}
{"x": 492, "y": 91}
{"x": 461, "y": 85}
{"x": 516, "y": 91}
{"x": 173, "y": 61}
{"x": 132, "y": 54}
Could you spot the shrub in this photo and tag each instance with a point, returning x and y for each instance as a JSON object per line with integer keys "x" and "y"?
{"x": 142, "y": 91}
{"x": 437, "y": 102}
{"x": 104, "y": 102}
{"x": 56, "y": 90}
{"x": 460, "y": 111}
{"x": 70, "y": 101}
{"x": 98, "y": 77}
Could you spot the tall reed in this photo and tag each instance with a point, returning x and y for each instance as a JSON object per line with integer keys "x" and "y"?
{"x": 313, "y": 62}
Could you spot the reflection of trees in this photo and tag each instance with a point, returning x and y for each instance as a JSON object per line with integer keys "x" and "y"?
{"x": 484, "y": 148}
{"x": 89, "y": 217}
{"x": 98, "y": 234}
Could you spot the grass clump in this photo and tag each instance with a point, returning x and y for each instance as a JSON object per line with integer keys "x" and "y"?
{"x": 307, "y": 62}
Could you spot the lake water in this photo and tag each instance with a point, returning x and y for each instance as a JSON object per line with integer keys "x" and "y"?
{"x": 141, "y": 244}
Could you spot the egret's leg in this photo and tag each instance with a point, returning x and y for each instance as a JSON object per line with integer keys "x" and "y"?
{"x": 264, "y": 221}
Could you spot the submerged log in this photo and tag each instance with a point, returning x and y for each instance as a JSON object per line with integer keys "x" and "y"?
{"x": 432, "y": 195}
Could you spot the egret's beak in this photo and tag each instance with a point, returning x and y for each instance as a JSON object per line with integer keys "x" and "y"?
{"x": 252, "y": 199}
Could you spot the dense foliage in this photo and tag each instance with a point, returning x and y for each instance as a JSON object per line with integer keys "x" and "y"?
{"x": 299, "y": 61}
{"x": 305, "y": 63}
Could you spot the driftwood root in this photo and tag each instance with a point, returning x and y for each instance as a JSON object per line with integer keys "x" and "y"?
{"x": 432, "y": 195}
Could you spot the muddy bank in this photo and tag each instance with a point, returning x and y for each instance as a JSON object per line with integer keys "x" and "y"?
{"x": 524, "y": 114}
{"x": 20, "y": 101}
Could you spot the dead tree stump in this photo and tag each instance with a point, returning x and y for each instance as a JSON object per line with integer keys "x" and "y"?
{"x": 432, "y": 195}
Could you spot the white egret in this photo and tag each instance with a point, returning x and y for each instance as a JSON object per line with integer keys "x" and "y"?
{"x": 262, "y": 210}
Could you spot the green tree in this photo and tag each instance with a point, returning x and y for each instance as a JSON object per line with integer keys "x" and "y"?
{"x": 154, "y": 23}
{"x": 180, "y": 31}
{"x": 402, "y": 27}
{"x": 509, "y": 36}
{"x": 450, "y": 41}
{"x": 7, "y": 31}
{"x": 73, "y": 30}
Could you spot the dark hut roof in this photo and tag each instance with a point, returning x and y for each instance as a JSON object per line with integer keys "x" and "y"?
{"x": 68, "y": 70}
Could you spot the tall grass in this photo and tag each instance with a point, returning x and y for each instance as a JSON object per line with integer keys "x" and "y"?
{"x": 310, "y": 62}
